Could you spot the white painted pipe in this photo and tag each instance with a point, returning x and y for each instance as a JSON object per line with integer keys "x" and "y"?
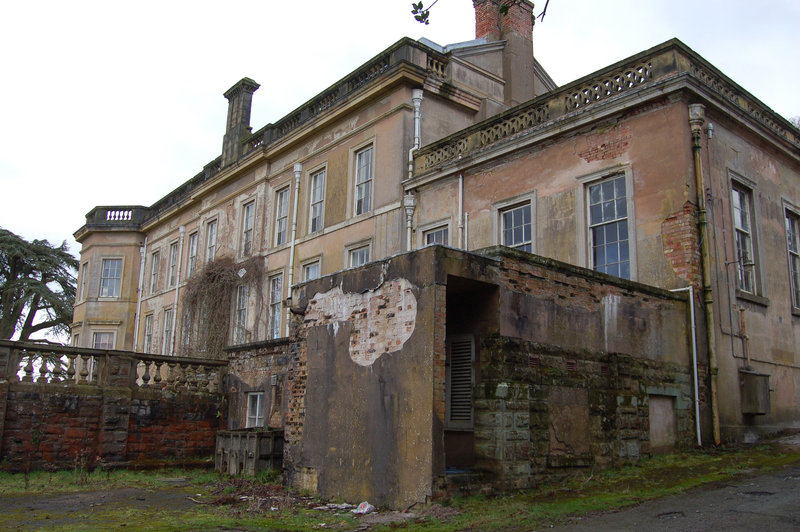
{"x": 690, "y": 289}
{"x": 298, "y": 169}
{"x": 142, "y": 255}
{"x": 182, "y": 231}
{"x": 461, "y": 242}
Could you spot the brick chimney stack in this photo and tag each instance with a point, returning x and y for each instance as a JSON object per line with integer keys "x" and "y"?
{"x": 240, "y": 98}
{"x": 516, "y": 28}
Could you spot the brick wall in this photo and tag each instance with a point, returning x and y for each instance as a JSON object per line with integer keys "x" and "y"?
{"x": 67, "y": 425}
{"x": 679, "y": 236}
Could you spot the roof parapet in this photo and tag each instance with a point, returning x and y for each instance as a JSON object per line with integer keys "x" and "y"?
{"x": 669, "y": 59}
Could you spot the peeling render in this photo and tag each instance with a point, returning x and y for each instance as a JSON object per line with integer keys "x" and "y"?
{"x": 383, "y": 318}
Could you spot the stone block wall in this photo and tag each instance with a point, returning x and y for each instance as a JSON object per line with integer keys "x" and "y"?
{"x": 541, "y": 412}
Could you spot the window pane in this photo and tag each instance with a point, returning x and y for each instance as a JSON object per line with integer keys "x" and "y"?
{"x": 608, "y": 223}
{"x": 595, "y": 214}
{"x": 516, "y": 231}
{"x": 622, "y": 208}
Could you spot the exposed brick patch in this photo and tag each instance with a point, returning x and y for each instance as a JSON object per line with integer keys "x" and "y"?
{"x": 679, "y": 236}
{"x": 607, "y": 144}
{"x": 383, "y": 319}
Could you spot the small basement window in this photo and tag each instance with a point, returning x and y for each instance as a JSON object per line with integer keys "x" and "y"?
{"x": 255, "y": 409}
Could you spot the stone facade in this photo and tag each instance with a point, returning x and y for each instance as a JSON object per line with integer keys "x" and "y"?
{"x": 635, "y": 291}
{"x": 708, "y": 183}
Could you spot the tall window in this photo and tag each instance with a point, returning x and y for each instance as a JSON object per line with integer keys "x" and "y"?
{"x": 793, "y": 245}
{"x": 211, "y": 240}
{"x": 359, "y": 256}
{"x": 608, "y": 227}
{"x": 742, "y": 225}
{"x": 275, "y": 305}
{"x": 240, "y": 321}
{"x": 103, "y": 340}
{"x": 317, "y": 201}
{"x": 76, "y": 340}
{"x": 148, "y": 333}
{"x": 247, "y": 228}
{"x": 84, "y": 275}
{"x": 165, "y": 345}
{"x": 186, "y": 330}
{"x": 363, "y": 181}
{"x": 192, "y": 254}
{"x": 516, "y": 227}
{"x": 255, "y": 409}
{"x": 436, "y": 236}
{"x": 111, "y": 278}
{"x": 154, "y": 272}
{"x": 281, "y": 216}
{"x": 173, "y": 263}
{"x": 311, "y": 271}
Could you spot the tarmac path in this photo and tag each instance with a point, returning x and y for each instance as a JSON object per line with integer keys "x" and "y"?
{"x": 767, "y": 502}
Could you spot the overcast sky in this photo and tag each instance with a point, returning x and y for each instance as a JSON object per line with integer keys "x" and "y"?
{"x": 111, "y": 103}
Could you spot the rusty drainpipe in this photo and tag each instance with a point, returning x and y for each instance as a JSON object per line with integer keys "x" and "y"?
{"x": 696, "y": 120}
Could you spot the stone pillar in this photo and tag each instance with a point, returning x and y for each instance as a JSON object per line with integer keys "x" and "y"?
{"x": 240, "y": 98}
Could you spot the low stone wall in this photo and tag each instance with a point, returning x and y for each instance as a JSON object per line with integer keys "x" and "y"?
{"x": 542, "y": 412}
{"x": 107, "y": 416}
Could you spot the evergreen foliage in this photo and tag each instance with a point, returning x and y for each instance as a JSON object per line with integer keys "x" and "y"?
{"x": 35, "y": 277}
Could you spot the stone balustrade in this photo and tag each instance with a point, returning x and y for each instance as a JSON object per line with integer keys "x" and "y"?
{"x": 671, "y": 61}
{"x": 64, "y": 365}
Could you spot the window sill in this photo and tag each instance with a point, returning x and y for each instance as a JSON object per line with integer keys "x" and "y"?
{"x": 752, "y": 298}
{"x": 796, "y": 312}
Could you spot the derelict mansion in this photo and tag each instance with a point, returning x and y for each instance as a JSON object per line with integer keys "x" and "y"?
{"x": 470, "y": 146}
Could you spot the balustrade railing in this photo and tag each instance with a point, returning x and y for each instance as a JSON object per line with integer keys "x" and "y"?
{"x": 670, "y": 60}
{"x": 63, "y": 365}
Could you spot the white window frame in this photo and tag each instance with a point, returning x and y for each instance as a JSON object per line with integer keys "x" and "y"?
{"x": 354, "y": 251}
{"x": 192, "y": 266}
{"x": 613, "y": 212}
{"x": 511, "y": 204}
{"x": 111, "y": 280}
{"x": 584, "y": 239}
{"x": 429, "y": 235}
{"x": 147, "y": 343}
{"x": 275, "y": 305}
{"x": 240, "y": 314}
{"x": 316, "y": 194}
{"x": 282, "y": 215}
{"x": 211, "y": 240}
{"x": 154, "y": 256}
{"x": 172, "y": 276}
{"x": 84, "y": 275}
{"x": 76, "y": 340}
{"x": 792, "y": 217}
{"x": 756, "y": 263}
{"x": 107, "y": 334}
{"x": 744, "y": 238}
{"x": 363, "y": 179}
{"x": 309, "y": 267}
{"x": 167, "y": 332}
{"x": 255, "y": 410}
{"x": 248, "y": 223}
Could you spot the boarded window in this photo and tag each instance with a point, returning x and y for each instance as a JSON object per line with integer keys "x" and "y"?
{"x": 460, "y": 376}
